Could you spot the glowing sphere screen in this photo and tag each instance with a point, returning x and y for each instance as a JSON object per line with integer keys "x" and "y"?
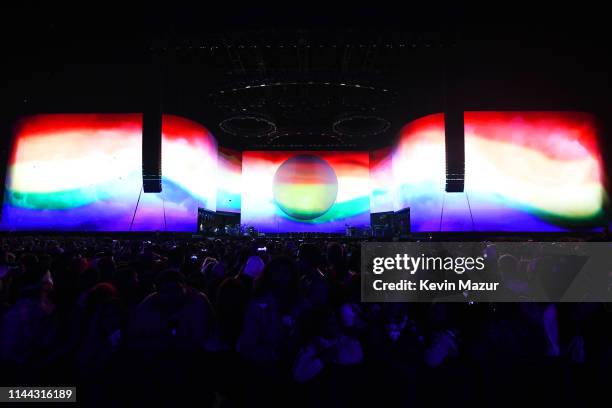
{"x": 305, "y": 191}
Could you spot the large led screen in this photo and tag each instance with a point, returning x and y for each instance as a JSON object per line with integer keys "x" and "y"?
{"x": 305, "y": 191}
{"x": 189, "y": 178}
{"x": 525, "y": 171}
{"x": 534, "y": 170}
{"x": 229, "y": 180}
{"x": 419, "y": 171}
{"x": 381, "y": 169}
{"x": 84, "y": 172}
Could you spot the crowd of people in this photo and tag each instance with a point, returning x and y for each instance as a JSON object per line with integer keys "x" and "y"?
{"x": 261, "y": 322}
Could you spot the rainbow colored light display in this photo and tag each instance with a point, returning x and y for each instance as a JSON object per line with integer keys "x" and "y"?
{"x": 381, "y": 169}
{"x": 229, "y": 173}
{"x": 305, "y": 191}
{"x": 189, "y": 178}
{"x": 525, "y": 171}
{"x": 84, "y": 172}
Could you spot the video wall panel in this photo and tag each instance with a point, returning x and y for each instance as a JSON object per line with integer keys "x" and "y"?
{"x": 306, "y": 191}
{"x": 525, "y": 171}
{"x": 229, "y": 180}
{"x": 84, "y": 172}
{"x": 381, "y": 180}
{"x": 534, "y": 170}
{"x": 419, "y": 169}
{"x": 189, "y": 178}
